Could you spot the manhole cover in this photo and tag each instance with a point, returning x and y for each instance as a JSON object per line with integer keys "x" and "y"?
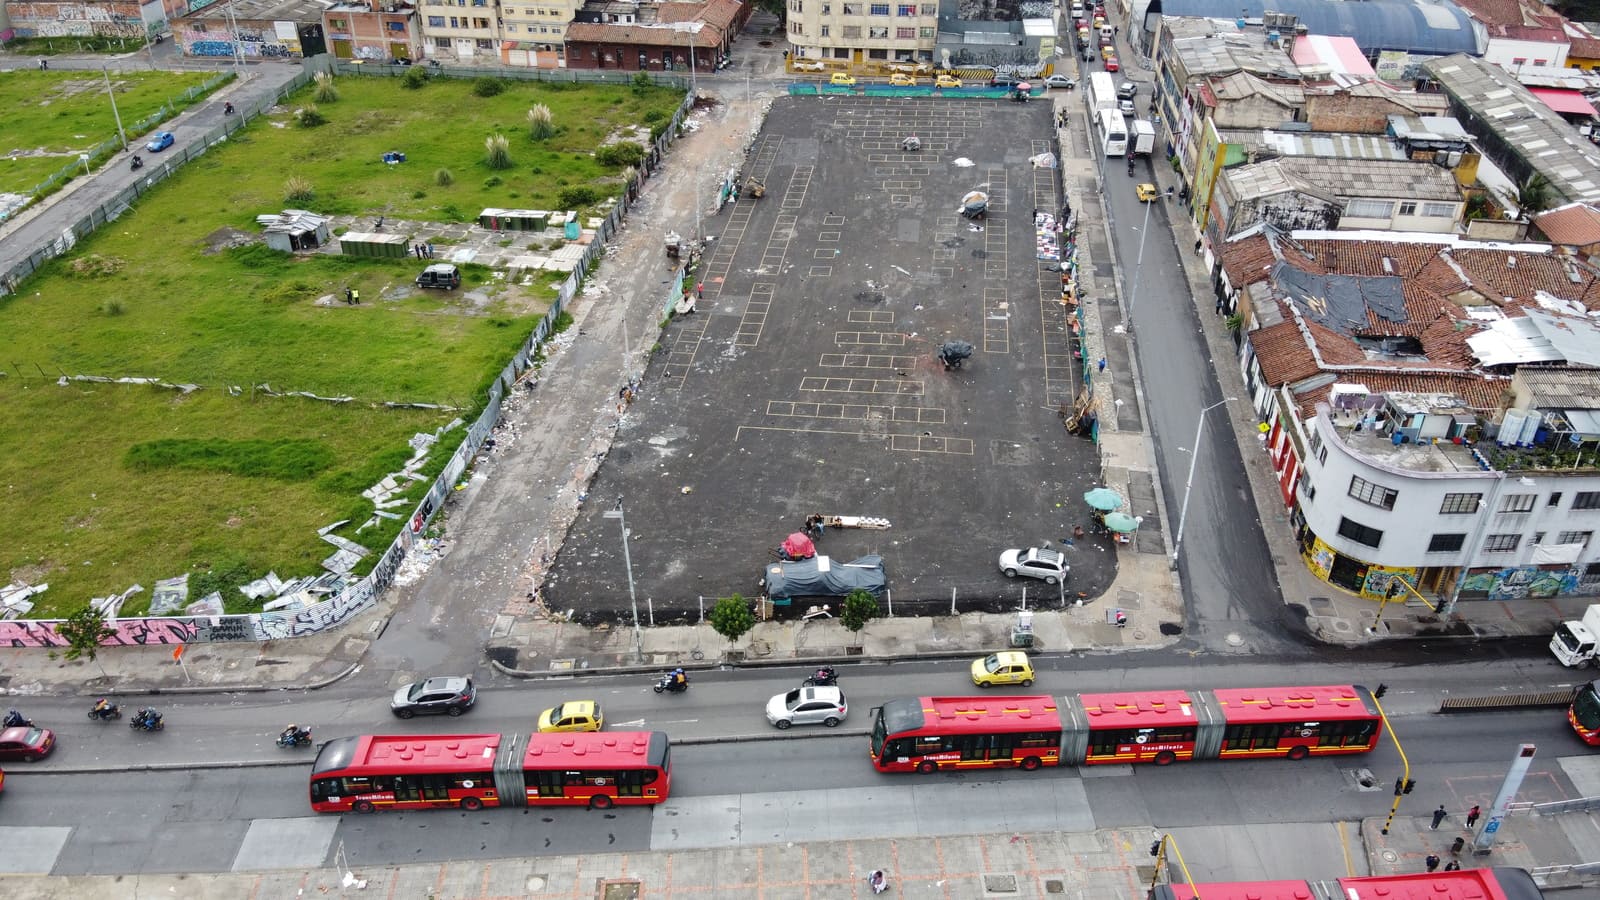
{"x": 535, "y": 882}
{"x": 1055, "y": 886}
{"x": 1000, "y": 884}
{"x": 619, "y": 890}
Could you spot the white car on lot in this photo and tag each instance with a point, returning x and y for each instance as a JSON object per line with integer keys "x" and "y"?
{"x": 1042, "y": 563}
{"x": 1060, "y": 81}
{"x": 808, "y": 706}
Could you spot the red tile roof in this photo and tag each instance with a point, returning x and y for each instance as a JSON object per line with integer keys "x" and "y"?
{"x": 1575, "y": 225}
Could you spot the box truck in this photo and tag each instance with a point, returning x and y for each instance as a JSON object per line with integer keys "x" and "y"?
{"x": 1574, "y": 643}
{"x": 1142, "y": 138}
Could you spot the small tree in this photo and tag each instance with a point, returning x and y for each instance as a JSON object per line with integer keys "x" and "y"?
{"x": 859, "y": 608}
{"x": 731, "y": 617}
{"x": 83, "y": 631}
{"x": 1535, "y": 194}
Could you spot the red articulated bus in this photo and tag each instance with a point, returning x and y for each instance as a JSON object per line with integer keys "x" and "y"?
{"x": 926, "y": 734}
{"x": 1499, "y": 883}
{"x": 1584, "y": 714}
{"x": 598, "y": 769}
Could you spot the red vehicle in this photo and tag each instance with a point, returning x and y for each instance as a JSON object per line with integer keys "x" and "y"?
{"x": 599, "y": 769}
{"x": 1584, "y": 714}
{"x": 1499, "y": 883}
{"x": 926, "y": 734}
{"x": 26, "y": 743}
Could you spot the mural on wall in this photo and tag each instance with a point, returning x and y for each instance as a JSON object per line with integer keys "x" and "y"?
{"x": 252, "y": 43}
{"x": 1522, "y": 582}
{"x": 1381, "y": 580}
{"x": 76, "y": 19}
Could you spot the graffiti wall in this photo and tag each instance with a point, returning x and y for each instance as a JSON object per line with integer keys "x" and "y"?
{"x": 1521, "y": 582}
{"x": 109, "y": 18}
{"x": 254, "y": 40}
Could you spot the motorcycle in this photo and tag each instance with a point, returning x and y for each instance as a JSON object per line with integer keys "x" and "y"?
{"x": 671, "y": 685}
{"x": 227, "y": 109}
{"x": 294, "y": 736}
{"x": 16, "y": 719}
{"x": 146, "y": 719}
{"x": 137, "y": 163}
{"x": 824, "y": 677}
{"x": 104, "y": 711}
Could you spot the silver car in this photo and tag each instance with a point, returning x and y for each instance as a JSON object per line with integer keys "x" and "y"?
{"x": 808, "y": 706}
{"x": 1042, "y": 563}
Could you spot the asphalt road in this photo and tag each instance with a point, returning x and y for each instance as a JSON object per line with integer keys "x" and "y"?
{"x": 1230, "y": 588}
{"x": 735, "y": 778}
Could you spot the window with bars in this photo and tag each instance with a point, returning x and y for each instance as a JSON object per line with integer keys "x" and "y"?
{"x": 1361, "y": 534}
{"x": 1586, "y": 500}
{"x": 877, "y": 33}
{"x": 851, "y": 32}
{"x": 1575, "y": 537}
{"x": 925, "y": 32}
{"x": 1446, "y": 543}
{"x": 1501, "y": 543}
{"x": 1518, "y": 503}
{"x": 905, "y": 34}
{"x": 1439, "y": 210}
{"x": 878, "y": 9}
{"x": 1408, "y": 208}
{"x": 907, "y": 9}
{"x": 930, "y": 9}
{"x": 1372, "y": 494}
{"x": 1459, "y": 504}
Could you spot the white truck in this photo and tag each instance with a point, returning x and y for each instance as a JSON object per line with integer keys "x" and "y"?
{"x": 1142, "y": 138}
{"x": 1576, "y": 643}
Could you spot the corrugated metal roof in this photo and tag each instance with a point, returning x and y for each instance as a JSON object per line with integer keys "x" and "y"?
{"x": 1432, "y": 28}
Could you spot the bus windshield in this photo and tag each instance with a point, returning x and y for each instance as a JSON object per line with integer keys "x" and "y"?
{"x": 1586, "y": 707}
{"x": 879, "y": 732}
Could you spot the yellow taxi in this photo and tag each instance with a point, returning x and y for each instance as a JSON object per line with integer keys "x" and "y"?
{"x": 947, "y": 81}
{"x": 574, "y": 715}
{"x": 900, "y": 79}
{"x": 1145, "y": 192}
{"x": 1005, "y": 667}
{"x": 843, "y": 79}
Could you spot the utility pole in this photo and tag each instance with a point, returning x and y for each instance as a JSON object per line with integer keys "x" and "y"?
{"x": 123, "y": 135}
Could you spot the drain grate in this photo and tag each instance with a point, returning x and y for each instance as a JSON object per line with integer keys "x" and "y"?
{"x": 619, "y": 890}
{"x": 999, "y": 884}
{"x": 1055, "y": 886}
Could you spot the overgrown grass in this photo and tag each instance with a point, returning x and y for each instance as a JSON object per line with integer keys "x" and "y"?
{"x": 65, "y": 113}
{"x": 112, "y": 485}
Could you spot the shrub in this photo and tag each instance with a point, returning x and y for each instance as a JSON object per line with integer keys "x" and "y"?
{"x": 414, "y": 79}
{"x": 575, "y": 197}
{"x": 642, "y": 84}
{"x": 653, "y": 116}
{"x": 731, "y": 617}
{"x": 443, "y": 177}
{"x": 325, "y": 92}
{"x": 111, "y": 308}
{"x": 297, "y": 189}
{"x": 497, "y": 151}
{"x": 541, "y": 124}
{"x": 493, "y": 181}
{"x": 309, "y": 117}
{"x": 623, "y": 153}
{"x": 488, "y": 87}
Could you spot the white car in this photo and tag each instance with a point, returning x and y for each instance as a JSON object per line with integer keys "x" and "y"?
{"x": 1042, "y": 563}
{"x": 1061, "y": 81}
{"x": 808, "y": 706}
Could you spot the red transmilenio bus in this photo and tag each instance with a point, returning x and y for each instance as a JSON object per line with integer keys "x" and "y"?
{"x": 598, "y": 769}
{"x": 1498, "y": 883}
{"x": 1584, "y": 714}
{"x": 926, "y": 734}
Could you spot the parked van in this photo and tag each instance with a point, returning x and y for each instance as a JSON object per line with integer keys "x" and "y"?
{"x": 440, "y": 275}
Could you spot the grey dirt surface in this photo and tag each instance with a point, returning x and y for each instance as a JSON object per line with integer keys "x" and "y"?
{"x": 807, "y": 381}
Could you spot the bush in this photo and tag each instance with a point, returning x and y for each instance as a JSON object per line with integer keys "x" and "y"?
{"x": 497, "y": 151}
{"x": 309, "y": 117}
{"x": 443, "y": 177}
{"x": 488, "y": 87}
{"x": 325, "y": 92}
{"x": 579, "y": 196}
{"x": 414, "y": 79}
{"x": 731, "y": 617}
{"x": 642, "y": 84}
{"x": 623, "y": 153}
{"x": 541, "y": 124}
{"x": 297, "y": 189}
{"x": 653, "y": 116}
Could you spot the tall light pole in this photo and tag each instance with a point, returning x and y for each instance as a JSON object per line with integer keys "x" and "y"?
{"x": 1194, "y": 454}
{"x": 627, "y": 560}
{"x": 1479, "y": 535}
{"x": 690, "y": 29}
{"x": 114, "y": 114}
{"x": 1134, "y": 290}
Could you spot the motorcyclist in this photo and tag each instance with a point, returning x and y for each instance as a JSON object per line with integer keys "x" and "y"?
{"x": 294, "y": 734}
{"x": 679, "y": 679}
{"x": 102, "y": 706}
{"x": 227, "y": 109}
{"x": 147, "y": 717}
{"x": 137, "y": 162}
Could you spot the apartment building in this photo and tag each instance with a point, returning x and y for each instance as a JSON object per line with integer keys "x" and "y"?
{"x": 860, "y": 33}
{"x": 462, "y": 31}
{"x": 536, "y": 32}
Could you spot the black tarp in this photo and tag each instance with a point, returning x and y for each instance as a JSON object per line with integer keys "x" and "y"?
{"x": 825, "y": 577}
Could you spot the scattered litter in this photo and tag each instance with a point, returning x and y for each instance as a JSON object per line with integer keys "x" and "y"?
{"x": 963, "y": 162}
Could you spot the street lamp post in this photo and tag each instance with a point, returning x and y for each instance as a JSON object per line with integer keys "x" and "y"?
{"x": 1473, "y": 548}
{"x": 114, "y": 114}
{"x": 627, "y": 560}
{"x": 1134, "y": 291}
{"x": 1403, "y": 784}
{"x": 1194, "y": 454}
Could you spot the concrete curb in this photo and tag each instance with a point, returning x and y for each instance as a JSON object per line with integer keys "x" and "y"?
{"x": 215, "y": 689}
{"x": 758, "y": 663}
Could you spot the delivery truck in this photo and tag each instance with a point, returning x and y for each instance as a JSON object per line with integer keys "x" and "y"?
{"x": 1574, "y": 643}
{"x": 1142, "y": 138}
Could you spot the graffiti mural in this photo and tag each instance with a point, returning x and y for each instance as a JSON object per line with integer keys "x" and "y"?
{"x": 129, "y": 633}
{"x": 117, "y": 18}
{"x": 1522, "y": 582}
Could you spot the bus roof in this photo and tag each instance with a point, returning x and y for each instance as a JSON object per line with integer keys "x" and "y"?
{"x": 1300, "y": 704}
{"x": 412, "y": 753}
{"x": 983, "y": 713}
{"x": 1138, "y": 709}
{"x": 595, "y": 749}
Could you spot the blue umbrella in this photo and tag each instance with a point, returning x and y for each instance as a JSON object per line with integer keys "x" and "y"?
{"x": 1121, "y": 523}
{"x": 1103, "y": 498}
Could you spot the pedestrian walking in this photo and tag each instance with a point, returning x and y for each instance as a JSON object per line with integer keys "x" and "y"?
{"x": 43, "y": 64}
{"x": 1452, "y": 866}
{"x": 700, "y": 291}
{"x": 1472, "y": 815}
{"x": 349, "y": 296}
{"x": 429, "y": 249}
{"x": 355, "y": 298}
{"x": 1219, "y": 312}
{"x": 1438, "y": 816}
{"x": 1455, "y": 848}
{"x": 1432, "y": 861}
{"x": 1122, "y": 619}
{"x": 1102, "y": 364}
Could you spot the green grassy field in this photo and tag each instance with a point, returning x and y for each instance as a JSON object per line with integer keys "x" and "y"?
{"x": 238, "y": 485}
{"x": 59, "y": 114}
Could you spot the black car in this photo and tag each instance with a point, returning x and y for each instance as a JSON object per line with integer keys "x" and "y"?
{"x": 448, "y": 694}
{"x": 1003, "y": 80}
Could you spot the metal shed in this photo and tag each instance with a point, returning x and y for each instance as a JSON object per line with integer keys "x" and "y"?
{"x": 365, "y": 243}
{"x": 295, "y": 230}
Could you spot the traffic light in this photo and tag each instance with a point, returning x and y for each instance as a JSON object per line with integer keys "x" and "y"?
{"x": 1155, "y": 849}
{"x": 1381, "y": 690}
{"x": 1399, "y": 785}
{"x": 1410, "y": 783}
